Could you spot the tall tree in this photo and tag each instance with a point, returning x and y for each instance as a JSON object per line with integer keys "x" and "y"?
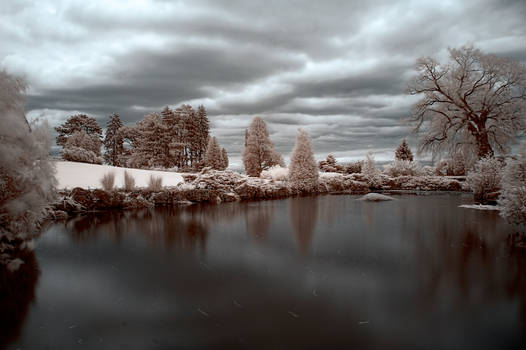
{"x": 78, "y": 122}
{"x": 204, "y": 132}
{"x": 259, "y": 153}
{"x": 403, "y": 152}
{"x": 475, "y": 101}
{"x": 113, "y": 141}
{"x": 303, "y": 172}
{"x": 213, "y": 155}
{"x": 224, "y": 159}
{"x": 27, "y": 177}
{"x": 149, "y": 149}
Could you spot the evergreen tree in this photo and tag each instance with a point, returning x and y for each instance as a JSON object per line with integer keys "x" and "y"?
{"x": 224, "y": 159}
{"x": 149, "y": 148}
{"x": 303, "y": 172}
{"x": 259, "y": 153}
{"x": 213, "y": 155}
{"x": 403, "y": 152}
{"x": 113, "y": 141}
{"x": 78, "y": 122}
{"x": 204, "y": 132}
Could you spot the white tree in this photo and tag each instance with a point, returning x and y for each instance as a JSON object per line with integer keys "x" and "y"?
{"x": 82, "y": 147}
{"x": 476, "y": 102}
{"x": 303, "y": 171}
{"x": 259, "y": 153}
{"x": 484, "y": 178}
{"x": 27, "y": 177}
{"x": 370, "y": 170}
{"x": 512, "y": 198}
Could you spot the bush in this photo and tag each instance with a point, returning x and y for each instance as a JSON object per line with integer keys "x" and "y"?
{"x": 155, "y": 184}
{"x": 402, "y": 168}
{"x": 354, "y": 168}
{"x": 108, "y": 181}
{"x": 513, "y": 195}
{"x": 276, "y": 173}
{"x": 371, "y": 172}
{"x": 484, "y": 179}
{"x": 78, "y": 154}
{"x": 129, "y": 181}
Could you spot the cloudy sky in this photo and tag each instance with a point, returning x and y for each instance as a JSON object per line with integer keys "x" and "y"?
{"x": 336, "y": 68}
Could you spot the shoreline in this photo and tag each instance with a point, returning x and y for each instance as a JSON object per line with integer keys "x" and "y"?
{"x": 212, "y": 186}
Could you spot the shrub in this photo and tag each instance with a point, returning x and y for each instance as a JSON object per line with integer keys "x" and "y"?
{"x": 129, "y": 181}
{"x": 108, "y": 181}
{"x": 155, "y": 183}
{"x": 513, "y": 195}
{"x": 484, "y": 179}
{"x": 402, "y": 168}
{"x": 354, "y": 167}
{"x": 303, "y": 172}
{"x": 276, "y": 173}
{"x": 78, "y": 154}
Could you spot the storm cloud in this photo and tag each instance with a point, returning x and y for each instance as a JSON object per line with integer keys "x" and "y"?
{"x": 336, "y": 68}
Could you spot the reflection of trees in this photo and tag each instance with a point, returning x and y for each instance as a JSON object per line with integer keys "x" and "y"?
{"x": 258, "y": 218}
{"x": 303, "y": 212}
{"x": 466, "y": 256}
{"x": 17, "y": 291}
{"x": 184, "y": 227}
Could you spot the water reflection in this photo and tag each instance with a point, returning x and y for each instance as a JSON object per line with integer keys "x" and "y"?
{"x": 17, "y": 292}
{"x": 415, "y": 272}
{"x": 303, "y": 215}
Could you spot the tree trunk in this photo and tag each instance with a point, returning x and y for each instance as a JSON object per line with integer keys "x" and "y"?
{"x": 483, "y": 147}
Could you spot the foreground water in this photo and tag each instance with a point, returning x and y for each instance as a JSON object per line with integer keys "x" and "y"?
{"x": 316, "y": 272}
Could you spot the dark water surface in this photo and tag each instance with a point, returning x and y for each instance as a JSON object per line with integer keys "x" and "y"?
{"x": 312, "y": 272}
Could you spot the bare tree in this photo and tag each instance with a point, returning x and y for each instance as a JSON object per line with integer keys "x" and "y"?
{"x": 259, "y": 153}
{"x": 476, "y": 101}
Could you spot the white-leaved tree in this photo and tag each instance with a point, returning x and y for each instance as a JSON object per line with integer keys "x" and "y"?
{"x": 27, "y": 177}
{"x": 303, "y": 171}
{"x": 259, "y": 153}
{"x": 370, "y": 171}
{"x": 475, "y": 102}
{"x": 512, "y": 198}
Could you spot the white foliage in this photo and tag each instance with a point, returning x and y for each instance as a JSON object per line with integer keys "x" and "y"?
{"x": 402, "y": 168}
{"x": 276, "y": 173}
{"x": 370, "y": 171}
{"x": 303, "y": 171}
{"x": 79, "y": 154}
{"x": 513, "y": 194}
{"x": 485, "y": 177}
{"x": 27, "y": 180}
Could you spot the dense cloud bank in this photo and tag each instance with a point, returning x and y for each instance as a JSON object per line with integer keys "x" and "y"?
{"x": 337, "y": 69}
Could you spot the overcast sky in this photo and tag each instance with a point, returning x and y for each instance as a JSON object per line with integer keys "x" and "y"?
{"x": 336, "y": 68}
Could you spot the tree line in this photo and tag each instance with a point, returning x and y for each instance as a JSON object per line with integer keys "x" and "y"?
{"x": 172, "y": 138}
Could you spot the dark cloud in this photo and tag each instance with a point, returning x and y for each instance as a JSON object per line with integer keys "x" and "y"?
{"x": 336, "y": 68}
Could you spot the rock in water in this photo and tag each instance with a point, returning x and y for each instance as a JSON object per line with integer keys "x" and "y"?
{"x": 375, "y": 197}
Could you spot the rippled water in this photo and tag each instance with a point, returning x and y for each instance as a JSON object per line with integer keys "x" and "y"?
{"x": 301, "y": 272}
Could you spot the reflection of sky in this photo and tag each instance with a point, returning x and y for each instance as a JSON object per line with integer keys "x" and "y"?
{"x": 398, "y": 265}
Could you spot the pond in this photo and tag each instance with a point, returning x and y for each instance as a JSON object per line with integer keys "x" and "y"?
{"x": 315, "y": 272}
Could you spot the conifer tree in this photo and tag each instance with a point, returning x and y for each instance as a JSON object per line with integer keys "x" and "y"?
{"x": 204, "y": 132}
{"x": 113, "y": 141}
{"x": 303, "y": 172}
{"x": 78, "y": 122}
{"x": 403, "y": 152}
{"x": 213, "y": 154}
{"x": 259, "y": 153}
{"x": 224, "y": 159}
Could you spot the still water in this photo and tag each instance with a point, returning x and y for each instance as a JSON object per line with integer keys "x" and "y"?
{"x": 311, "y": 272}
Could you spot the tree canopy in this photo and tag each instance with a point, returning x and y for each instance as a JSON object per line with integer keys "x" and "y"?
{"x": 475, "y": 101}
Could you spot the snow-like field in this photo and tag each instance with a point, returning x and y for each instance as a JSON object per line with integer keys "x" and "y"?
{"x": 73, "y": 174}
